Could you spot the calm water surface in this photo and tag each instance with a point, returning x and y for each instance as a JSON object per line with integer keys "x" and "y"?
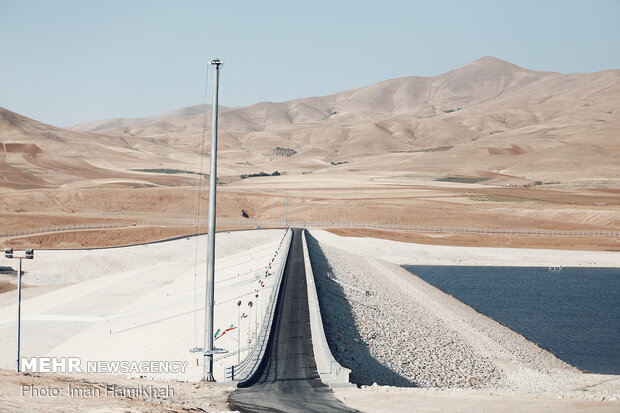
{"x": 573, "y": 313}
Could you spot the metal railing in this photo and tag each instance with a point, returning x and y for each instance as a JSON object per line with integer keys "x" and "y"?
{"x": 248, "y": 366}
{"x": 188, "y": 222}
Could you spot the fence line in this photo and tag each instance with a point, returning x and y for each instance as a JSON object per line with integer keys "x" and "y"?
{"x": 180, "y": 222}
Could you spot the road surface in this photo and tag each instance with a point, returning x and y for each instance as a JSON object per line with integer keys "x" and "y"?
{"x": 287, "y": 380}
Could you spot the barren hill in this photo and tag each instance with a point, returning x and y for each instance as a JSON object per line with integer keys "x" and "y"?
{"x": 36, "y": 155}
{"x": 489, "y": 144}
{"x": 491, "y": 115}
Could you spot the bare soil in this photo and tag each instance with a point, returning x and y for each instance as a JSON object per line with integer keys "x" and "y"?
{"x": 187, "y": 397}
{"x": 479, "y": 240}
{"x": 103, "y": 238}
{"x": 6, "y": 286}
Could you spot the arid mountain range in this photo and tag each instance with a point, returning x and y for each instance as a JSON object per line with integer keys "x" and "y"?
{"x": 488, "y": 144}
{"x": 489, "y": 116}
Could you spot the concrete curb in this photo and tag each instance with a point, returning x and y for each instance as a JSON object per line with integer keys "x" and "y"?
{"x": 330, "y": 371}
{"x": 244, "y": 372}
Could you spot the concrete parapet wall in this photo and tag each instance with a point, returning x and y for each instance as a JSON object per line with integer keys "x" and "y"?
{"x": 330, "y": 371}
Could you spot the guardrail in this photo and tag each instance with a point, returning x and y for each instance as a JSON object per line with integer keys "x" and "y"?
{"x": 248, "y": 366}
{"x": 186, "y": 222}
{"x": 330, "y": 371}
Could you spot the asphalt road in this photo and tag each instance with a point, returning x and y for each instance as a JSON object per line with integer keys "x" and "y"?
{"x": 287, "y": 380}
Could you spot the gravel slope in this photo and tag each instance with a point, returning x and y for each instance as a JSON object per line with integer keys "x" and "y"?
{"x": 395, "y": 329}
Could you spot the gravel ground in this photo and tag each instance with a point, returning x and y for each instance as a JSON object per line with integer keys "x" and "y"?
{"x": 53, "y": 267}
{"x": 394, "y": 329}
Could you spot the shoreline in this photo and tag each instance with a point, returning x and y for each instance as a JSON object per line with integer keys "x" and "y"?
{"x": 448, "y": 346}
{"x": 406, "y": 253}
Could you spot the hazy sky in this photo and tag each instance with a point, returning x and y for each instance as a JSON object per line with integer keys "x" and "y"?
{"x": 65, "y": 62}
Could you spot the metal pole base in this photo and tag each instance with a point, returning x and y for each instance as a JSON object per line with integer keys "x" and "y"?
{"x": 209, "y": 378}
{"x": 207, "y": 372}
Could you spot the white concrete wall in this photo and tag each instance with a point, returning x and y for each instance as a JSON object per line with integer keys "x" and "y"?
{"x": 330, "y": 371}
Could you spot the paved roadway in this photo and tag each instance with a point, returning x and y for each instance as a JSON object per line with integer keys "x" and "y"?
{"x": 287, "y": 380}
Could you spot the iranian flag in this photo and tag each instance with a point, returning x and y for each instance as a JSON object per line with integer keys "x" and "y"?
{"x": 232, "y": 327}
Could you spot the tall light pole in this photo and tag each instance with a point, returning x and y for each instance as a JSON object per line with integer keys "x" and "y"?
{"x": 238, "y": 331}
{"x": 249, "y": 324}
{"x": 8, "y": 253}
{"x": 207, "y": 373}
{"x": 262, "y": 305}
{"x": 256, "y": 320}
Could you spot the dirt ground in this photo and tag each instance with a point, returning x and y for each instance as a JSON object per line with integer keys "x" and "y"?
{"x": 378, "y": 198}
{"x": 6, "y": 286}
{"x": 479, "y": 240}
{"x": 32, "y": 392}
{"x": 101, "y": 238}
{"x": 15, "y": 396}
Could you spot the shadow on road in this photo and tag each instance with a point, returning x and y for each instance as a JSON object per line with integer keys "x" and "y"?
{"x": 341, "y": 331}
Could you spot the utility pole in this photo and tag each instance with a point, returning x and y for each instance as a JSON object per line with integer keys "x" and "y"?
{"x": 207, "y": 373}
{"x": 249, "y": 324}
{"x": 256, "y": 321}
{"x": 8, "y": 253}
{"x": 262, "y": 305}
{"x": 19, "y": 311}
{"x": 238, "y": 332}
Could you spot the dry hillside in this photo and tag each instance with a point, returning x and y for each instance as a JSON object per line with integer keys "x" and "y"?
{"x": 489, "y": 144}
{"x": 488, "y": 116}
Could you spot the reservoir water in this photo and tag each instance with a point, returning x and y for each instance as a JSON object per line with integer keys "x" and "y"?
{"x": 574, "y": 313}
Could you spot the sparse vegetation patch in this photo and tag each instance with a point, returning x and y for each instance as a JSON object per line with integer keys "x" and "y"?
{"x": 169, "y": 171}
{"x": 463, "y": 179}
{"x": 499, "y": 198}
{"x": 435, "y": 149}
{"x": 275, "y": 173}
{"x": 538, "y": 183}
{"x": 285, "y": 151}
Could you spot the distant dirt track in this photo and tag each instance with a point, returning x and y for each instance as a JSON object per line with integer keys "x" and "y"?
{"x": 116, "y": 237}
{"x": 103, "y": 238}
{"x": 478, "y": 240}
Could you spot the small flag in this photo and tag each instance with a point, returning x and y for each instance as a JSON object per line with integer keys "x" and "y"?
{"x": 232, "y": 327}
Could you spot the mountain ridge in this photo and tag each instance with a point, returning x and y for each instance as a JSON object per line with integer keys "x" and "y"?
{"x": 489, "y": 115}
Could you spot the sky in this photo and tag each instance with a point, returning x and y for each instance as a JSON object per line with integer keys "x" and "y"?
{"x": 65, "y": 62}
